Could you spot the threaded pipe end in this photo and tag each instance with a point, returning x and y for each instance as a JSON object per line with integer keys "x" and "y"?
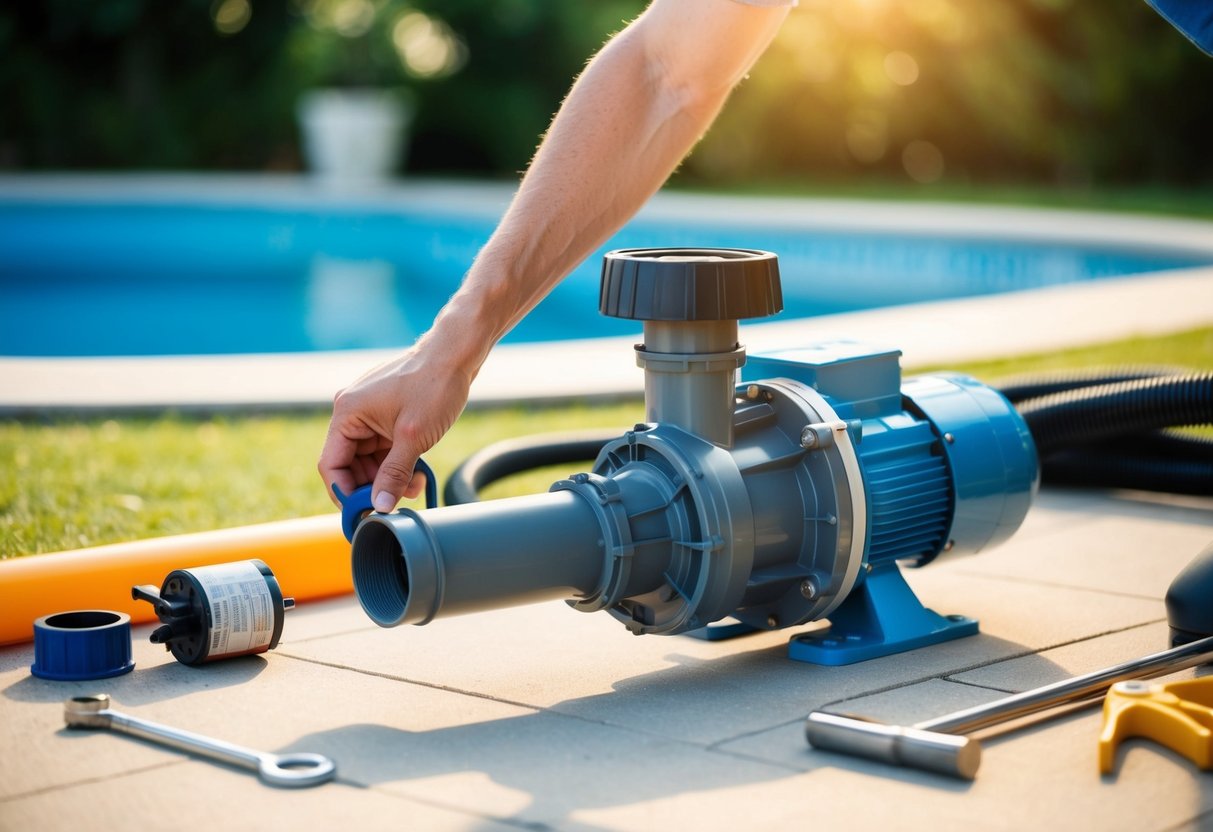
{"x": 381, "y": 578}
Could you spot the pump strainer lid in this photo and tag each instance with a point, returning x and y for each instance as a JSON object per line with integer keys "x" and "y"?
{"x": 690, "y": 284}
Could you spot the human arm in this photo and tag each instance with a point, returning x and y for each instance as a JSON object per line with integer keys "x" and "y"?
{"x": 633, "y": 114}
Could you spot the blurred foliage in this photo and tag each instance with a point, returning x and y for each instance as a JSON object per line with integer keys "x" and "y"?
{"x": 212, "y": 84}
{"x": 1069, "y": 92}
{"x": 522, "y": 58}
{"x": 141, "y": 83}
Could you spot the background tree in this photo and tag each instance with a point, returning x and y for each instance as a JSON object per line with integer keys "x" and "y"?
{"x": 1068, "y": 92}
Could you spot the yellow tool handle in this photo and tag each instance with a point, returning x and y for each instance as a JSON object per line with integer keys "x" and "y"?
{"x": 1176, "y": 715}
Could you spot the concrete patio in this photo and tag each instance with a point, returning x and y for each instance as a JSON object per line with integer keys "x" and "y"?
{"x": 544, "y": 718}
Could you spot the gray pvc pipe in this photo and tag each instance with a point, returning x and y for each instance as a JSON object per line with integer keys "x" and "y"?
{"x": 410, "y": 567}
{"x": 690, "y": 371}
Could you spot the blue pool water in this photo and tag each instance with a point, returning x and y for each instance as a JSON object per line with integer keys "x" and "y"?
{"x": 140, "y": 279}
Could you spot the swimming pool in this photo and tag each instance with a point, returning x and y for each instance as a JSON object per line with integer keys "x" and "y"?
{"x": 173, "y": 275}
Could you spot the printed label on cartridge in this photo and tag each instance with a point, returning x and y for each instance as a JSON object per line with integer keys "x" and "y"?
{"x": 242, "y": 608}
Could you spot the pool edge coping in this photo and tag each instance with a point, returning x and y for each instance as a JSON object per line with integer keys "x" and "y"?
{"x": 959, "y": 330}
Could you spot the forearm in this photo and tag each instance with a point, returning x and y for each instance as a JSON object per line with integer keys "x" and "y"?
{"x": 623, "y": 128}
{"x": 630, "y": 118}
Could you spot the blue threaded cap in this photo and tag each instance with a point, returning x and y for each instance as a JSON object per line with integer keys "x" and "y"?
{"x": 82, "y": 644}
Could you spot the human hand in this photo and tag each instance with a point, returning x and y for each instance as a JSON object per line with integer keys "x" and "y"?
{"x": 385, "y": 420}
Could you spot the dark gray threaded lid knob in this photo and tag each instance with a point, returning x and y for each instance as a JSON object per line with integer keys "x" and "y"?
{"x": 690, "y": 284}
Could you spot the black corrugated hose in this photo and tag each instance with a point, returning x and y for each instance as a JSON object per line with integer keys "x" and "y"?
{"x": 1107, "y": 429}
{"x": 1096, "y": 428}
{"x": 513, "y": 456}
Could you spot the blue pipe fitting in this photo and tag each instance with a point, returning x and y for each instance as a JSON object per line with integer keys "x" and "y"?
{"x": 82, "y": 644}
{"x": 357, "y": 504}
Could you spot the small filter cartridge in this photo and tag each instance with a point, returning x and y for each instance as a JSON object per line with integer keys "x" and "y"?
{"x": 217, "y": 612}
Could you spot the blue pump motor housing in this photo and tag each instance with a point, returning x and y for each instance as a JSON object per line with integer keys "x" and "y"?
{"x": 947, "y": 462}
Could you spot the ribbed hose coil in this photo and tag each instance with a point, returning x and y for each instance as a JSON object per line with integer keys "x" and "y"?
{"x": 1111, "y": 470}
{"x": 1025, "y": 386}
{"x": 1092, "y": 413}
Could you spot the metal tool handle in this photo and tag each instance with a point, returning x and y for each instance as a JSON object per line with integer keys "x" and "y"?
{"x": 938, "y": 744}
{"x": 1089, "y": 686}
{"x": 955, "y": 756}
{"x": 294, "y": 770}
{"x": 298, "y": 769}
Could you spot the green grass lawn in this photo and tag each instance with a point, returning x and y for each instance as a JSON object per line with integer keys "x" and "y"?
{"x": 85, "y": 482}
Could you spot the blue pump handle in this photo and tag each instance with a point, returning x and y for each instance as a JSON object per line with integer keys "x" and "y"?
{"x": 358, "y": 502}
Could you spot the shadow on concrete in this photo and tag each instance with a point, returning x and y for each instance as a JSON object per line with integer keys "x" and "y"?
{"x": 552, "y": 765}
{"x": 142, "y": 685}
{"x": 546, "y": 766}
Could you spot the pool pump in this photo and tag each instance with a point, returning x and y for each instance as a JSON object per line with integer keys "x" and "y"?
{"x": 788, "y": 498}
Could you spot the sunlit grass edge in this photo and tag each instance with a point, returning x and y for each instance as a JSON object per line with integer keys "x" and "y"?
{"x": 71, "y": 483}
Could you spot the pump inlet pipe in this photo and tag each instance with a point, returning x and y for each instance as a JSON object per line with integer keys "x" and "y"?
{"x": 783, "y": 499}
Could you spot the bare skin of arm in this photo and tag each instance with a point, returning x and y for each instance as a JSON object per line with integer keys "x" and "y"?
{"x": 630, "y": 118}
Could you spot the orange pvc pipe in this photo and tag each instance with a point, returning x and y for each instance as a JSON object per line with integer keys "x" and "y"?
{"x": 310, "y": 558}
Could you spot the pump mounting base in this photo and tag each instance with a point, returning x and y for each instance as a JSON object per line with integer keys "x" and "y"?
{"x": 882, "y": 616}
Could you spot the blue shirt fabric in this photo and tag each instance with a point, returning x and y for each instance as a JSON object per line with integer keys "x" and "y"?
{"x": 1192, "y": 17}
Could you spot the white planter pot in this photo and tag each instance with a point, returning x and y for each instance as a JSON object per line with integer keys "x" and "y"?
{"x": 353, "y": 135}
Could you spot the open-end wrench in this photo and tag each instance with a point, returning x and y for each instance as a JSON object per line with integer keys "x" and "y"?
{"x": 300, "y": 769}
